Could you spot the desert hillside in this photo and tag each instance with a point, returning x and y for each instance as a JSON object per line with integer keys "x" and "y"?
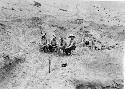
{"x": 61, "y": 44}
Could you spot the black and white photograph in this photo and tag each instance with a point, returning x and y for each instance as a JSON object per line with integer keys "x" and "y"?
{"x": 62, "y": 44}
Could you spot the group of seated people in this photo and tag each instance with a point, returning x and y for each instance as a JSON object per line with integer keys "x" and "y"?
{"x": 66, "y": 49}
{"x": 60, "y": 49}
